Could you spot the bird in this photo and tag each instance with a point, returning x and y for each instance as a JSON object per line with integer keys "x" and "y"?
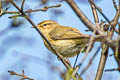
{"x": 68, "y": 41}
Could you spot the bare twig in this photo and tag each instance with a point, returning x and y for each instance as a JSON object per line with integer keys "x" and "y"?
{"x": 104, "y": 55}
{"x": 100, "y": 11}
{"x": 85, "y": 20}
{"x": 97, "y": 25}
{"x": 82, "y": 17}
{"x": 116, "y": 18}
{"x": 118, "y": 69}
{"x": 90, "y": 62}
{"x": 94, "y": 12}
{"x": 117, "y": 49}
{"x": 91, "y": 41}
{"x": 23, "y": 76}
{"x": 23, "y": 1}
{"x": 87, "y": 51}
{"x": 35, "y": 10}
{"x": 2, "y": 12}
{"x": 115, "y": 5}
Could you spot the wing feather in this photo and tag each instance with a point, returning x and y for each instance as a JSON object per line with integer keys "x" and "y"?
{"x": 62, "y": 33}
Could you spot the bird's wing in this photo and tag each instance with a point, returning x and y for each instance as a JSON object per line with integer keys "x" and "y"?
{"x": 62, "y": 32}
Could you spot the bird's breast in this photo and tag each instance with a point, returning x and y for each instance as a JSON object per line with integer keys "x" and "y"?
{"x": 67, "y": 48}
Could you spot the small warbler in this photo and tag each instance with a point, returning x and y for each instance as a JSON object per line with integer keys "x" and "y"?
{"x": 68, "y": 41}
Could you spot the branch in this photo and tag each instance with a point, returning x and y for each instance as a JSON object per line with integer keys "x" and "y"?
{"x": 105, "y": 48}
{"x": 82, "y": 17}
{"x": 117, "y": 48}
{"x": 100, "y": 11}
{"x": 91, "y": 41}
{"x": 92, "y": 38}
{"x": 23, "y": 76}
{"x": 30, "y": 10}
{"x": 115, "y": 5}
{"x": 104, "y": 55}
{"x": 118, "y": 69}
{"x": 90, "y": 62}
{"x": 22, "y": 4}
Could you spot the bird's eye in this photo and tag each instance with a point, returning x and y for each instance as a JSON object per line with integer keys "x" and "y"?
{"x": 44, "y": 24}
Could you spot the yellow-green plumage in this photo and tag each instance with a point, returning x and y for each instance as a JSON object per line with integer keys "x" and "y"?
{"x": 67, "y": 41}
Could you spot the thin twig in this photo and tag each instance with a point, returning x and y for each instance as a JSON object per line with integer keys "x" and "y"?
{"x": 2, "y": 12}
{"x": 118, "y": 69}
{"x": 22, "y": 6}
{"x": 104, "y": 53}
{"x": 116, "y": 18}
{"x": 94, "y": 12}
{"x": 90, "y": 62}
{"x": 91, "y": 41}
{"x": 117, "y": 50}
{"x": 82, "y": 17}
{"x": 23, "y": 76}
{"x": 115, "y": 5}
{"x": 88, "y": 49}
{"x": 31, "y": 10}
{"x": 100, "y": 12}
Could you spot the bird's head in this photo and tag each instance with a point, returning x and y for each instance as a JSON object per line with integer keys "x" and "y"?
{"x": 47, "y": 26}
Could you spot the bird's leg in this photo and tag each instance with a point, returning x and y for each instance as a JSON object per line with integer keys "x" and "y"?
{"x": 76, "y": 61}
